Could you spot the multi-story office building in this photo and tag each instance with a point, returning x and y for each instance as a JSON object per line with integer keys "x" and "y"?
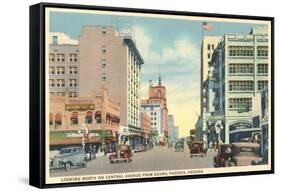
{"x": 110, "y": 59}
{"x": 209, "y": 44}
{"x": 156, "y": 112}
{"x": 171, "y": 124}
{"x": 239, "y": 70}
{"x": 63, "y": 65}
{"x": 156, "y": 104}
{"x": 246, "y": 73}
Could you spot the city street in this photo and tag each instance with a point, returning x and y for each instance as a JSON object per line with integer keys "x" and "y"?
{"x": 159, "y": 158}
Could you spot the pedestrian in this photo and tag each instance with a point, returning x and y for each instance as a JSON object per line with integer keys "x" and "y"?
{"x": 94, "y": 152}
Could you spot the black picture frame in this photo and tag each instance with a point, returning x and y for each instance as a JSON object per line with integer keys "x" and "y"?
{"x": 37, "y": 93}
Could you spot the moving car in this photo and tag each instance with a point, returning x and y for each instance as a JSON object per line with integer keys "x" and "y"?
{"x": 197, "y": 149}
{"x": 244, "y": 153}
{"x": 179, "y": 146}
{"x": 68, "y": 157}
{"x": 123, "y": 153}
{"x": 224, "y": 156}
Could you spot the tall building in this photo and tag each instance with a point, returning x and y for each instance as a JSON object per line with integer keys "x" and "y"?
{"x": 209, "y": 44}
{"x": 246, "y": 73}
{"x": 171, "y": 124}
{"x": 110, "y": 59}
{"x": 176, "y": 132}
{"x": 63, "y": 65}
{"x": 156, "y": 104}
{"x": 238, "y": 70}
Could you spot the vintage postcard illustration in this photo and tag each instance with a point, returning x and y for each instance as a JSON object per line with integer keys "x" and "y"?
{"x": 134, "y": 95}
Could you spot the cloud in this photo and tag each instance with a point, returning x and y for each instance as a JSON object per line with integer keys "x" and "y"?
{"x": 179, "y": 63}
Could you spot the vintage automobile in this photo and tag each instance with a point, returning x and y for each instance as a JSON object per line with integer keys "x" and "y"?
{"x": 179, "y": 146}
{"x": 138, "y": 148}
{"x": 123, "y": 153}
{"x": 244, "y": 153}
{"x": 197, "y": 149}
{"x": 68, "y": 157}
{"x": 224, "y": 156}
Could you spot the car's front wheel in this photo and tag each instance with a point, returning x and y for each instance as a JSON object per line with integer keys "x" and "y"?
{"x": 67, "y": 166}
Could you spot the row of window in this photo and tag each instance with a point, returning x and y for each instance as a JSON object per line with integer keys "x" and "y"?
{"x": 241, "y": 51}
{"x": 61, "y": 83}
{"x": 241, "y": 68}
{"x": 241, "y": 85}
{"x": 61, "y": 70}
{"x": 247, "y": 68}
{"x": 71, "y": 94}
{"x": 57, "y": 119}
{"x": 240, "y": 103}
{"x": 248, "y": 51}
{"x": 246, "y": 85}
{"x": 62, "y": 57}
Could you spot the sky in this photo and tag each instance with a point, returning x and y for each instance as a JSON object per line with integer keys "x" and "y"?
{"x": 168, "y": 46}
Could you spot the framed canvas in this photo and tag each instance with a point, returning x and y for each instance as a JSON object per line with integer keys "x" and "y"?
{"x": 123, "y": 95}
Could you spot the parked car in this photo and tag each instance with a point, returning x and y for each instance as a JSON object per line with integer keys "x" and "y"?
{"x": 138, "y": 148}
{"x": 244, "y": 153}
{"x": 224, "y": 156}
{"x": 197, "y": 149}
{"x": 68, "y": 157}
{"x": 123, "y": 153}
{"x": 179, "y": 146}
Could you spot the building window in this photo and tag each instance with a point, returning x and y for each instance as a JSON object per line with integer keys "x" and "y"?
{"x": 72, "y": 57}
{"x": 103, "y": 49}
{"x": 60, "y": 57}
{"x": 74, "y": 118}
{"x": 209, "y": 55}
{"x": 209, "y": 46}
{"x": 262, "y": 51}
{"x": 72, "y": 70}
{"x": 154, "y": 124}
{"x": 262, "y": 84}
{"x": 103, "y": 63}
{"x": 241, "y": 85}
{"x": 89, "y": 117}
{"x": 55, "y": 40}
{"x": 58, "y": 119}
{"x": 241, "y": 51}
{"x": 241, "y": 68}
{"x": 51, "y": 57}
{"x": 213, "y": 46}
{"x": 60, "y": 70}
{"x": 60, "y": 82}
{"x": 72, "y": 82}
{"x": 52, "y": 83}
{"x": 51, "y": 70}
{"x": 103, "y": 76}
{"x": 262, "y": 68}
{"x": 240, "y": 103}
{"x": 98, "y": 117}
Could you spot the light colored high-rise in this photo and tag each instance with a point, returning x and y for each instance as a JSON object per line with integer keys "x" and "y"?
{"x": 246, "y": 73}
{"x": 111, "y": 60}
{"x": 63, "y": 65}
{"x": 171, "y": 124}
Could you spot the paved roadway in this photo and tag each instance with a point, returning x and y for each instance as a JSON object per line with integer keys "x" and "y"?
{"x": 159, "y": 158}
